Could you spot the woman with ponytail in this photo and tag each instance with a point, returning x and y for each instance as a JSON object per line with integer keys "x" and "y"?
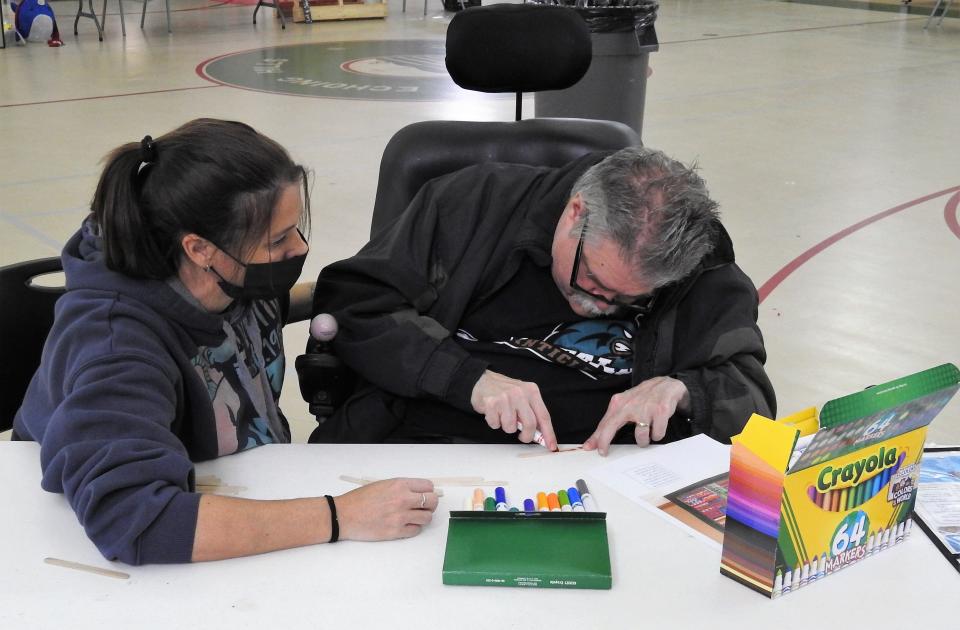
{"x": 167, "y": 349}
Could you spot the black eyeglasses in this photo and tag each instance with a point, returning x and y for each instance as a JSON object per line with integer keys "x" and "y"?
{"x": 639, "y": 309}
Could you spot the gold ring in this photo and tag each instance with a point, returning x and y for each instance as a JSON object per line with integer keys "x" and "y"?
{"x": 642, "y": 425}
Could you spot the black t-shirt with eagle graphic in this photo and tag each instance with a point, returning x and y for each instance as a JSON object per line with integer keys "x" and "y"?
{"x": 528, "y": 331}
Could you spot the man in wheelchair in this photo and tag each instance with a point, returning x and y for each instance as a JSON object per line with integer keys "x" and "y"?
{"x": 593, "y": 303}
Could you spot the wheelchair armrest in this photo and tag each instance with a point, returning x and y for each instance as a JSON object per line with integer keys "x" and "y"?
{"x": 325, "y": 382}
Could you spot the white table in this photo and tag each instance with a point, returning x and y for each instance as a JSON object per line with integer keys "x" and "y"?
{"x": 662, "y": 578}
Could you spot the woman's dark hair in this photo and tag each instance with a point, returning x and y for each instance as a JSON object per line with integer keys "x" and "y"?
{"x": 215, "y": 178}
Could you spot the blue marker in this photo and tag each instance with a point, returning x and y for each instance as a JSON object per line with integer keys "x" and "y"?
{"x": 501, "y": 496}
{"x": 575, "y": 502}
{"x": 529, "y": 505}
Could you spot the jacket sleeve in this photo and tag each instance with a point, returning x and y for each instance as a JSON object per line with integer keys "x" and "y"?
{"x": 721, "y": 355}
{"x": 381, "y": 298}
{"x": 109, "y": 449}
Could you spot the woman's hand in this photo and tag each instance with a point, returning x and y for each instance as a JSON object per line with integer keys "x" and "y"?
{"x": 385, "y": 510}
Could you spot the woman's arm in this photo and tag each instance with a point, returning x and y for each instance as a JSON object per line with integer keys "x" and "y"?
{"x": 228, "y": 527}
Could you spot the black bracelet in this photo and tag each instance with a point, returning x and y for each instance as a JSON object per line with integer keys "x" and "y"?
{"x": 334, "y": 523}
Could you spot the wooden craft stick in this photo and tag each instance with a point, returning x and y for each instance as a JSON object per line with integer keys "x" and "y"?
{"x": 222, "y": 489}
{"x": 211, "y": 484}
{"x": 466, "y": 481}
{"x": 444, "y": 481}
{"x": 544, "y": 452}
{"x": 67, "y": 564}
{"x": 362, "y": 481}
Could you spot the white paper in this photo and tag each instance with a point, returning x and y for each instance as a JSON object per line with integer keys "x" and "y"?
{"x": 652, "y": 472}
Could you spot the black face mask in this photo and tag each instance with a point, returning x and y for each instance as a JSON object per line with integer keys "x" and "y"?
{"x": 264, "y": 281}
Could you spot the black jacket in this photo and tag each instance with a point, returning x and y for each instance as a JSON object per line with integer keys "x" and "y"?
{"x": 461, "y": 239}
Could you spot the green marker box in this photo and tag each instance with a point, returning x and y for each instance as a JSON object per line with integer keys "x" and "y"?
{"x": 538, "y": 549}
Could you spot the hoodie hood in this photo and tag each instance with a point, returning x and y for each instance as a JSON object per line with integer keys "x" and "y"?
{"x": 85, "y": 267}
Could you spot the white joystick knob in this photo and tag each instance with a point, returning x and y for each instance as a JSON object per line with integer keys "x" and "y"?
{"x": 323, "y": 327}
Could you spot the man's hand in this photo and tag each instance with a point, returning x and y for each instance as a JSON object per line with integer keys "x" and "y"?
{"x": 505, "y": 401}
{"x": 649, "y": 405}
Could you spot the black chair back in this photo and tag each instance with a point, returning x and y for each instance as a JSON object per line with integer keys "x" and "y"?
{"x": 25, "y": 319}
{"x": 424, "y": 150}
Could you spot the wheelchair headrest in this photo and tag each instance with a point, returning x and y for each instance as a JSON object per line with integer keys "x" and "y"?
{"x": 517, "y": 48}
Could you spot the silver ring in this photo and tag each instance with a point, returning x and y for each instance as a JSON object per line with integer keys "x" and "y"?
{"x": 423, "y": 500}
{"x": 642, "y": 425}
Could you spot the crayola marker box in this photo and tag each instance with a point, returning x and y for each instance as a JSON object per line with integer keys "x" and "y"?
{"x": 538, "y": 549}
{"x": 800, "y": 510}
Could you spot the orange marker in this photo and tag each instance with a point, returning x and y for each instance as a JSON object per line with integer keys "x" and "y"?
{"x": 553, "y": 502}
{"x": 542, "y": 502}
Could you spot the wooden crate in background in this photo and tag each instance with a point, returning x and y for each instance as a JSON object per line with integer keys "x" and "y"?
{"x": 340, "y": 10}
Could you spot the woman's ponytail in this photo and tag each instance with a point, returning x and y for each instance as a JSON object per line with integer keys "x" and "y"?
{"x": 116, "y": 207}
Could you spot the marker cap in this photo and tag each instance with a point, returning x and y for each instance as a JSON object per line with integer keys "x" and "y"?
{"x": 582, "y": 487}
{"x": 478, "y": 498}
{"x": 574, "y": 497}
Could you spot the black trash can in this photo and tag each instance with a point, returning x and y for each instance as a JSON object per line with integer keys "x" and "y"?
{"x": 615, "y": 86}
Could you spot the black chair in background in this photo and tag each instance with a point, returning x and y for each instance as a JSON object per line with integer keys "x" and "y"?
{"x": 25, "y": 319}
{"x": 498, "y": 48}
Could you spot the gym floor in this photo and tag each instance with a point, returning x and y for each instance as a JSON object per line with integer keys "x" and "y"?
{"x": 827, "y": 134}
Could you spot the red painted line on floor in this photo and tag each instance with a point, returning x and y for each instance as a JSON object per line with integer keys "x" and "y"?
{"x": 797, "y": 262}
{"x": 950, "y": 215}
{"x": 94, "y": 98}
{"x": 201, "y": 68}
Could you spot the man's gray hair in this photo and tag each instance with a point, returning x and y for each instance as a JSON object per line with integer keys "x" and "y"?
{"x": 656, "y": 209}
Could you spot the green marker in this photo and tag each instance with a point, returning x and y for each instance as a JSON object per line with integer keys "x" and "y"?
{"x": 489, "y": 505}
{"x": 564, "y": 501}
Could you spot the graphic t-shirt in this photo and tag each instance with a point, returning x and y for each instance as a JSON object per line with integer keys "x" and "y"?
{"x": 527, "y": 331}
{"x": 244, "y": 375}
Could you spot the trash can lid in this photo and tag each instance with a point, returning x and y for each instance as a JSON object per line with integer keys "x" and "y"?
{"x": 611, "y": 16}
